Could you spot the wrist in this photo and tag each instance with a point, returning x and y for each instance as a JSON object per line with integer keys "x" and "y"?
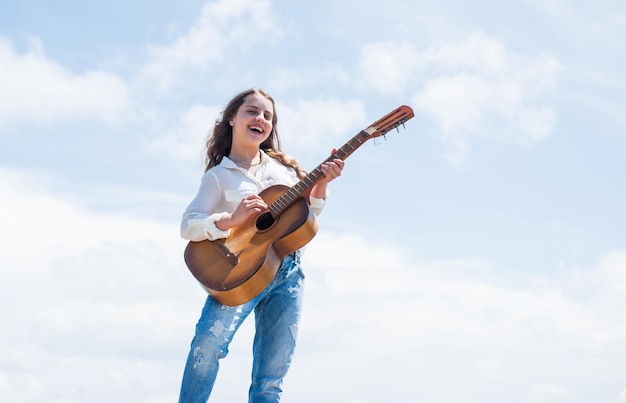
{"x": 319, "y": 191}
{"x": 224, "y": 223}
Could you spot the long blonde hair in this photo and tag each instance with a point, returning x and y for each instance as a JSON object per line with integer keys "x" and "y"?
{"x": 219, "y": 142}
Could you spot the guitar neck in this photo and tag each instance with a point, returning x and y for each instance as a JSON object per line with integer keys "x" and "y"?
{"x": 303, "y": 188}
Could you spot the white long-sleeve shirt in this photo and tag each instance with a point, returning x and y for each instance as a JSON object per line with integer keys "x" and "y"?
{"x": 224, "y": 186}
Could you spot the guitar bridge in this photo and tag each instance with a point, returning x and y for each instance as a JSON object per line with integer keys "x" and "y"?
{"x": 228, "y": 254}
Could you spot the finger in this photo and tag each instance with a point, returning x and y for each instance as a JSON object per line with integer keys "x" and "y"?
{"x": 327, "y": 169}
{"x": 252, "y": 206}
{"x": 331, "y": 171}
{"x": 258, "y": 203}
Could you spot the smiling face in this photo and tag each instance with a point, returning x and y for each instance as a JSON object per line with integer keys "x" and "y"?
{"x": 252, "y": 124}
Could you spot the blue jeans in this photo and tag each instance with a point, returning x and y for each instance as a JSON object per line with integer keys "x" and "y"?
{"x": 277, "y": 313}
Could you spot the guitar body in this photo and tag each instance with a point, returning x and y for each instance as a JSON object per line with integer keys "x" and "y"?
{"x": 236, "y": 269}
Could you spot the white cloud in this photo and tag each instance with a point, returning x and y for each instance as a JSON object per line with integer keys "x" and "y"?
{"x": 82, "y": 290}
{"x": 478, "y": 52}
{"x": 612, "y": 272}
{"x": 457, "y": 102}
{"x": 222, "y": 26}
{"x": 308, "y": 127}
{"x": 547, "y": 393}
{"x": 35, "y": 87}
{"x": 485, "y": 82}
{"x": 621, "y": 398}
{"x": 286, "y": 79}
{"x": 387, "y": 67}
{"x": 448, "y": 299}
{"x": 89, "y": 300}
{"x": 476, "y": 88}
{"x": 187, "y": 138}
{"x": 447, "y": 321}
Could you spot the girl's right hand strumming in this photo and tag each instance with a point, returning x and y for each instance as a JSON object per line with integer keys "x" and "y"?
{"x": 250, "y": 205}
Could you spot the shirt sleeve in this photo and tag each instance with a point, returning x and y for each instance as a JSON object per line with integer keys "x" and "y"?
{"x": 317, "y": 205}
{"x": 198, "y": 221}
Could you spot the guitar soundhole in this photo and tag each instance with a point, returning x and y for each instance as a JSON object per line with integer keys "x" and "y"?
{"x": 265, "y": 221}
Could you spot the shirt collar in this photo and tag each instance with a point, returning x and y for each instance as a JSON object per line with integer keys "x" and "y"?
{"x": 228, "y": 163}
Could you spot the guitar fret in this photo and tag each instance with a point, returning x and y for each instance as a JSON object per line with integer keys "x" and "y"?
{"x": 284, "y": 201}
{"x": 275, "y": 212}
{"x": 289, "y": 196}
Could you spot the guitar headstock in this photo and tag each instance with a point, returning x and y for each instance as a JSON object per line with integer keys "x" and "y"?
{"x": 390, "y": 121}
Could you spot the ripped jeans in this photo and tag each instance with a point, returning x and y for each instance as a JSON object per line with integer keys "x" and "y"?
{"x": 277, "y": 313}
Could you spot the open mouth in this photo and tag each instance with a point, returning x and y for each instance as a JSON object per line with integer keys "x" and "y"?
{"x": 257, "y": 129}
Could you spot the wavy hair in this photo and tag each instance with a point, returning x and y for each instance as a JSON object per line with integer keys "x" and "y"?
{"x": 219, "y": 142}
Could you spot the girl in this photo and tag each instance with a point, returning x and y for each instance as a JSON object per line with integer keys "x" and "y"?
{"x": 243, "y": 158}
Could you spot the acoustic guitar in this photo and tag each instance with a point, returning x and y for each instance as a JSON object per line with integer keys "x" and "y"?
{"x": 236, "y": 269}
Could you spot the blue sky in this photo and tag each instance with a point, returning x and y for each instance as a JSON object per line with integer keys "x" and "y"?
{"x": 478, "y": 255}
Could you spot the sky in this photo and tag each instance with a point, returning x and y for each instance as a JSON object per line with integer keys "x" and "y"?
{"x": 477, "y": 255}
